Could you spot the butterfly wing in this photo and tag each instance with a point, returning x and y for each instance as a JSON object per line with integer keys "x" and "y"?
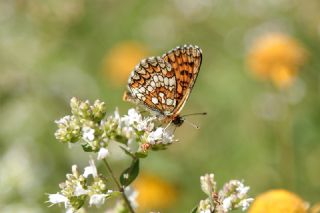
{"x": 185, "y": 62}
{"x": 153, "y": 84}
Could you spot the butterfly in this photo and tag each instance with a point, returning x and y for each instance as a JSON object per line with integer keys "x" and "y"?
{"x": 163, "y": 84}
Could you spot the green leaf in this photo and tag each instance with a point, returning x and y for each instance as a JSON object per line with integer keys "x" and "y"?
{"x": 141, "y": 154}
{"x": 157, "y": 147}
{"x": 130, "y": 174}
{"x": 77, "y": 201}
{"x": 115, "y": 194}
{"x": 139, "y": 133}
{"x": 121, "y": 139}
{"x": 87, "y": 148}
{"x": 194, "y": 210}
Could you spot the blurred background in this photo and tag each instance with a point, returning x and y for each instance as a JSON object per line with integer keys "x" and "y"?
{"x": 259, "y": 83}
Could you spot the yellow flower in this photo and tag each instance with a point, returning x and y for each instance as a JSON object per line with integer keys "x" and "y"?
{"x": 278, "y": 201}
{"x": 154, "y": 193}
{"x": 315, "y": 208}
{"x": 276, "y": 57}
{"x": 121, "y": 60}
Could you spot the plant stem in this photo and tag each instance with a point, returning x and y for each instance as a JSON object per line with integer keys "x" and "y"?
{"x": 286, "y": 146}
{"x": 120, "y": 188}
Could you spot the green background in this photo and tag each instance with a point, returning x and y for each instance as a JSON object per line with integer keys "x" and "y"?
{"x": 53, "y": 50}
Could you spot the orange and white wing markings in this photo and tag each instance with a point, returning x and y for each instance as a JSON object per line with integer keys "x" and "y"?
{"x": 163, "y": 84}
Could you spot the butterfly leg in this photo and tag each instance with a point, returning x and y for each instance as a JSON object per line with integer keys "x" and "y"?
{"x": 167, "y": 125}
{"x": 174, "y": 130}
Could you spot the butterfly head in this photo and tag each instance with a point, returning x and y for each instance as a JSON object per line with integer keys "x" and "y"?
{"x": 178, "y": 121}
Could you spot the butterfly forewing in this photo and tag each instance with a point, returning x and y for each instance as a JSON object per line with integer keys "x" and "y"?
{"x": 163, "y": 84}
{"x": 185, "y": 62}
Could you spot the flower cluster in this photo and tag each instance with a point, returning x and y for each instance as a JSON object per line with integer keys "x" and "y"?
{"x": 232, "y": 196}
{"x": 81, "y": 187}
{"x": 90, "y": 125}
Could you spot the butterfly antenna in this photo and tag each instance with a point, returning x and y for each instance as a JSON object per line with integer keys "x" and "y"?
{"x": 192, "y": 124}
{"x": 198, "y": 113}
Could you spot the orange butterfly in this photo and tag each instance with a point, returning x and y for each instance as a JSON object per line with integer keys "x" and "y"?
{"x": 163, "y": 84}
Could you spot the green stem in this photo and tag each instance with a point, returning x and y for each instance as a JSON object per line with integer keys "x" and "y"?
{"x": 287, "y": 149}
{"x": 120, "y": 188}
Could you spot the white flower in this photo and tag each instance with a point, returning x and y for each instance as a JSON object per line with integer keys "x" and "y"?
{"x": 103, "y": 153}
{"x": 227, "y": 204}
{"x": 132, "y": 117}
{"x": 90, "y": 170}
{"x": 133, "y": 146}
{"x": 132, "y": 196}
{"x": 128, "y": 131}
{"x": 146, "y": 124}
{"x": 142, "y": 125}
{"x": 235, "y": 196}
{"x": 57, "y": 198}
{"x": 208, "y": 185}
{"x": 205, "y": 211}
{"x": 63, "y": 121}
{"x": 205, "y": 206}
{"x": 242, "y": 190}
{"x": 155, "y": 135}
{"x": 97, "y": 199}
{"x": 167, "y": 138}
{"x": 116, "y": 115}
{"x": 75, "y": 171}
{"x": 245, "y": 203}
{"x": 79, "y": 190}
{"x": 160, "y": 136}
{"x": 71, "y": 210}
{"x": 88, "y": 133}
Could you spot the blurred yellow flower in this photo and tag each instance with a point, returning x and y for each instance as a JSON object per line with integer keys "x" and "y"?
{"x": 154, "y": 193}
{"x": 121, "y": 60}
{"x": 278, "y": 201}
{"x": 315, "y": 208}
{"x": 276, "y": 57}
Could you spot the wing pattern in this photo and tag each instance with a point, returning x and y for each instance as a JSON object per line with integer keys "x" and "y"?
{"x": 163, "y": 84}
